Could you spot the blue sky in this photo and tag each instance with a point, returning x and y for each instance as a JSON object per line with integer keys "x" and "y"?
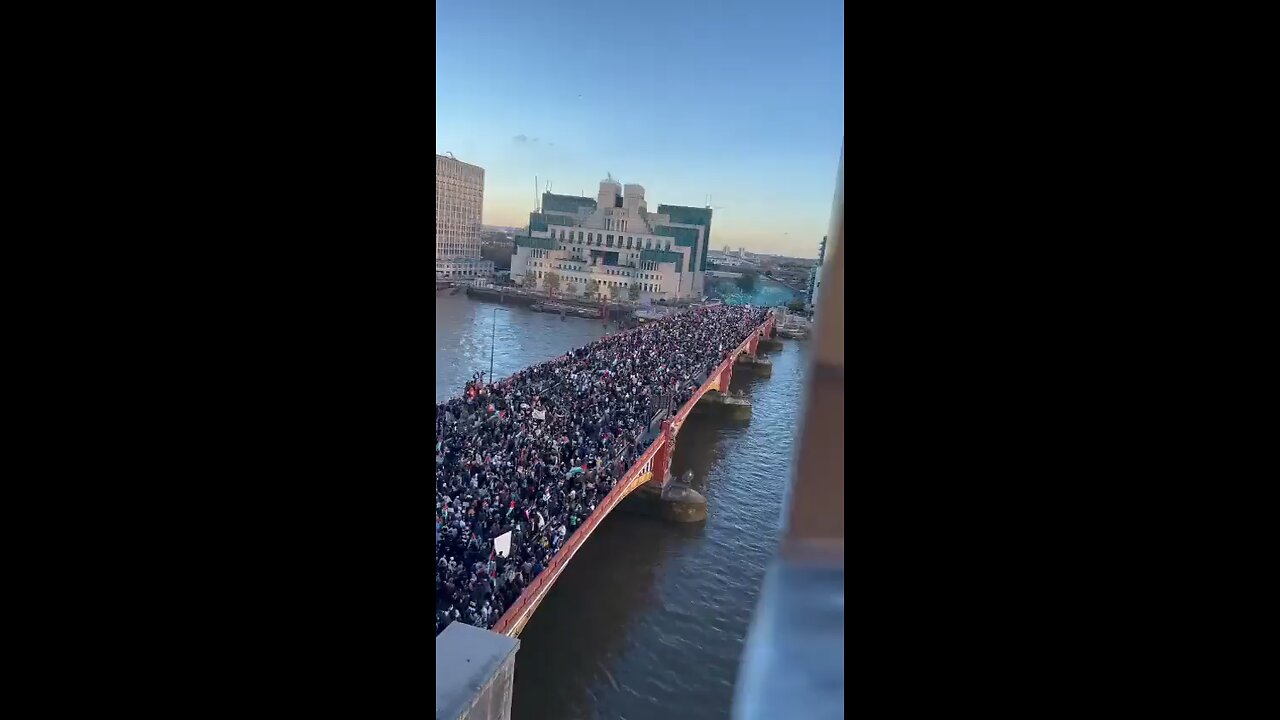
{"x": 743, "y": 101}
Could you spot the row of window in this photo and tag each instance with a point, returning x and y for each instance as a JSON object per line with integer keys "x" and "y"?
{"x": 607, "y": 271}
{"x": 644, "y": 287}
{"x": 604, "y": 240}
{"x": 454, "y": 171}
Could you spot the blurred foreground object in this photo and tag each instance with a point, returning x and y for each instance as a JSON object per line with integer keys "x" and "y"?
{"x": 794, "y": 660}
{"x": 474, "y": 670}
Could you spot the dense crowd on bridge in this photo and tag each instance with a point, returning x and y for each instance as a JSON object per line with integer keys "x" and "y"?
{"x": 535, "y": 453}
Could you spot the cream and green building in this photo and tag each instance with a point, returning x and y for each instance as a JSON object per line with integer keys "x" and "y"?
{"x": 615, "y": 240}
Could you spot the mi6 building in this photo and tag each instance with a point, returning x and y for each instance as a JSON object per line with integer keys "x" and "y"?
{"x": 616, "y": 241}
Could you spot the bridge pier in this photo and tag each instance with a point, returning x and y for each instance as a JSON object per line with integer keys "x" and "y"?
{"x": 759, "y": 365}
{"x": 676, "y": 501}
{"x": 664, "y": 496}
{"x": 723, "y": 403}
{"x": 769, "y": 344}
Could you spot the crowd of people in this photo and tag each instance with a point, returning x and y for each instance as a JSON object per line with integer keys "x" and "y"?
{"x": 535, "y": 453}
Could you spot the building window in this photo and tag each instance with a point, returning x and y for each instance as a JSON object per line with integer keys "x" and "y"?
{"x": 579, "y": 236}
{"x": 589, "y": 237}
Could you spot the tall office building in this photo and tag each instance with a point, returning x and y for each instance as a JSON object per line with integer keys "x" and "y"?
{"x": 459, "y": 200}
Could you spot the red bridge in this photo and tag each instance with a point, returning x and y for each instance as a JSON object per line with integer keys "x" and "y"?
{"x": 653, "y": 468}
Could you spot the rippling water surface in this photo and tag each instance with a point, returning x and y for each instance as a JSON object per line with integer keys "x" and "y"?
{"x": 649, "y": 620}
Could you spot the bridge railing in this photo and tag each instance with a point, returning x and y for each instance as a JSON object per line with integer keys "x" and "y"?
{"x": 512, "y": 621}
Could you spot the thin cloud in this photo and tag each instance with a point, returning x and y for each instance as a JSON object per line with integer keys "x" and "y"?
{"x": 520, "y": 138}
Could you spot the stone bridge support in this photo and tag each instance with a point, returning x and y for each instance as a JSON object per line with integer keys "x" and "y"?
{"x": 665, "y": 496}
{"x": 662, "y": 459}
{"x": 726, "y": 376}
{"x": 759, "y": 365}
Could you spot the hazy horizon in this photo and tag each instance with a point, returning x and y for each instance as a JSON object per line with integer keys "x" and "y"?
{"x": 740, "y": 101}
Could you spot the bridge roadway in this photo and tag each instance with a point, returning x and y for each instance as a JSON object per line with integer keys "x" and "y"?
{"x": 652, "y": 467}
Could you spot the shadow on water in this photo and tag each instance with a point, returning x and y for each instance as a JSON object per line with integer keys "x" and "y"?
{"x": 582, "y": 626}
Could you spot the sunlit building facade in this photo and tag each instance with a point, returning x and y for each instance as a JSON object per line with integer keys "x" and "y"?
{"x": 459, "y": 202}
{"x": 615, "y": 241}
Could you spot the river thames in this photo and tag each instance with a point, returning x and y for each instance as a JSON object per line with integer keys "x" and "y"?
{"x": 649, "y": 620}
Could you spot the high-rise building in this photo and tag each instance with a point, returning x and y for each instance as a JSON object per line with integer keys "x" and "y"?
{"x": 459, "y": 202}
{"x": 614, "y": 240}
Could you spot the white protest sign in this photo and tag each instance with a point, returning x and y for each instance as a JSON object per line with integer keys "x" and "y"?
{"x": 502, "y": 544}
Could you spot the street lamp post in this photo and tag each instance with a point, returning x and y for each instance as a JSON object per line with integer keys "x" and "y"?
{"x": 492, "y": 335}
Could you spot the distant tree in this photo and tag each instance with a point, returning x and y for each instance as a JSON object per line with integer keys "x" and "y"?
{"x": 633, "y": 292}
{"x": 593, "y": 287}
{"x": 615, "y": 292}
{"x": 551, "y": 281}
{"x": 747, "y": 282}
{"x": 796, "y": 305}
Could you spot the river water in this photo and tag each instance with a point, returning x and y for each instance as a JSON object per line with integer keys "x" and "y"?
{"x": 767, "y": 292}
{"x": 649, "y": 620}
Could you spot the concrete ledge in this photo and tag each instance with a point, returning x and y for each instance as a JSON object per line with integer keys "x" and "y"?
{"x": 676, "y": 503}
{"x": 732, "y": 406}
{"x": 474, "y": 672}
{"x": 681, "y": 503}
{"x": 758, "y": 365}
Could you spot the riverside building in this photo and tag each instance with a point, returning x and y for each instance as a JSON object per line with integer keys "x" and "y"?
{"x": 616, "y": 241}
{"x": 459, "y": 201}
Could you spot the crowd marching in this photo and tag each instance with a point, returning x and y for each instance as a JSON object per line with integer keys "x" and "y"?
{"x": 533, "y": 454}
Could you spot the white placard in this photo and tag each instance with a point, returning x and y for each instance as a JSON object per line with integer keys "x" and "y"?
{"x": 502, "y": 544}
